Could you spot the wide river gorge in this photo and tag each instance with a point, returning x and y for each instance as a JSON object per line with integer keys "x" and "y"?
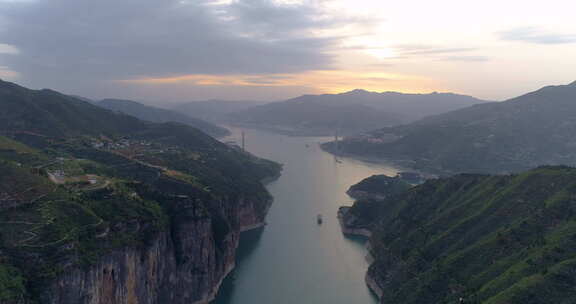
{"x": 293, "y": 259}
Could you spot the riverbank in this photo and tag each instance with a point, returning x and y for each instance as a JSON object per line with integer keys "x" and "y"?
{"x": 273, "y": 267}
{"x": 401, "y": 165}
{"x": 350, "y": 229}
{"x": 345, "y": 219}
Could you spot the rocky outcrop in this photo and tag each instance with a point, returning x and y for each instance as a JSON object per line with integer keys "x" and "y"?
{"x": 186, "y": 264}
{"x": 378, "y": 187}
{"x": 373, "y": 282}
{"x": 352, "y": 224}
{"x": 359, "y": 194}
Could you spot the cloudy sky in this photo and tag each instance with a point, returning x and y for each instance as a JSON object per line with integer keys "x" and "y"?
{"x": 178, "y": 50}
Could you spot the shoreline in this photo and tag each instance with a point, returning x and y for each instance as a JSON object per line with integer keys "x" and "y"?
{"x": 400, "y": 165}
{"x": 285, "y": 132}
{"x": 230, "y": 268}
{"x": 364, "y": 232}
{"x": 369, "y": 280}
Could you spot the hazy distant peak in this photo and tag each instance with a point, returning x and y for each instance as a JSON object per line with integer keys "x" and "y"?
{"x": 358, "y": 91}
{"x": 159, "y": 115}
{"x": 573, "y": 84}
{"x": 8, "y": 84}
{"x": 392, "y": 93}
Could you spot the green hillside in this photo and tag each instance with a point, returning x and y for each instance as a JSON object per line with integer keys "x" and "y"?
{"x": 379, "y": 186}
{"x": 78, "y": 181}
{"x": 488, "y": 239}
{"x": 50, "y": 113}
{"x": 154, "y": 114}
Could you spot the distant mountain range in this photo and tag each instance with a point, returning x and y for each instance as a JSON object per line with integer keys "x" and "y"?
{"x": 215, "y": 110}
{"x": 534, "y": 129}
{"x": 50, "y": 113}
{"x": 154, "y": 114}
{"x": 351, "y": 112}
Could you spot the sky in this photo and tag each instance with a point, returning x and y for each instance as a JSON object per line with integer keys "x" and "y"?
{"x": 182, "y": 50}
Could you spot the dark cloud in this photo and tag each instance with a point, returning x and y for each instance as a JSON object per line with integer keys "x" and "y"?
{"x": 267, "y": 20}
{"x": 537, "y": 36}
{"x": 73, "y": 43}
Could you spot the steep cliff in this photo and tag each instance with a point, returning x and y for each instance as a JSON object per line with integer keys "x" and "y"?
{"x": 184, "y": 265}
{"x": 99, "y": 207}
{"x": 480, "y": 238}
{"x": 162, "y": 241}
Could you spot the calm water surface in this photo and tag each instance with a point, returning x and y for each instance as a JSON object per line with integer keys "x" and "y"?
{"x": 295, "y": 260}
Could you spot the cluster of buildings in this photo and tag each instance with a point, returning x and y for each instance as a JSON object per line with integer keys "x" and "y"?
{"x": 119, "y": 144}
{"x": 133, "y": 145}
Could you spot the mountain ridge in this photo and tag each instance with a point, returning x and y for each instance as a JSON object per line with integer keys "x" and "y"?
{"x": 154, "y": 114}
{"x": 349, "y": 112}
{"x": 533, "y": 129}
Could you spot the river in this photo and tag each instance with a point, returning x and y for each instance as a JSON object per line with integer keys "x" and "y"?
{"x": 293, "y": 259}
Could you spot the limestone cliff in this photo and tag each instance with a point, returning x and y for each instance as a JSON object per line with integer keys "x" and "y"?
{"x": 153, "y": 240}
{"x": 101, "y": 207}
{"x": 184, "y": 265}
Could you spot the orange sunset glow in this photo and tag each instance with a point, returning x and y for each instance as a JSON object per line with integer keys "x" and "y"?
{"x": 321, "y": 81}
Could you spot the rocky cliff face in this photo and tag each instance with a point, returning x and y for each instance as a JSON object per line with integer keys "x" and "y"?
{"x": 184, "y": 265}
{"x": 352, "y": 224}
{"x": 99, "y": 207}
{"x": 157, "y": 239}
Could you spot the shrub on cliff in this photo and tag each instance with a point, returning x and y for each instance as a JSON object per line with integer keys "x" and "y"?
{"x": 488, "y": 239}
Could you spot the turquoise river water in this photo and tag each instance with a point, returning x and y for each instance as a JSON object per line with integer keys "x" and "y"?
{"x": 293, "y": 259}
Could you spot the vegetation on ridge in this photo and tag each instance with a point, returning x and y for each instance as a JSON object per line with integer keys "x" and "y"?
{"x": 522, "y": 133}
{"x": 153, "y": 114}
{"x": 487, "y": 239}
{"x": 78, "y": 181}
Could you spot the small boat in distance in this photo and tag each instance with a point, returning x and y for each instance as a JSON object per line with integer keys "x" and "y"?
{"x": 319, "y": 219}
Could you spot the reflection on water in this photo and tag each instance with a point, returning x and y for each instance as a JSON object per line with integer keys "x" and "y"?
{"x": 293, "y": 259}
{"x": 249, "y": 241}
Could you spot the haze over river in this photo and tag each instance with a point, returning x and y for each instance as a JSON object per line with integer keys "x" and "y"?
{"x": 293, "y": 259}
